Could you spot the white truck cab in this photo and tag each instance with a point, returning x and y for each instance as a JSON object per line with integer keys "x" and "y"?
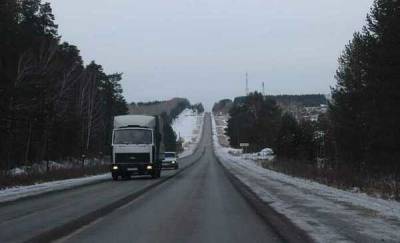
{"x": 137, "y": 146}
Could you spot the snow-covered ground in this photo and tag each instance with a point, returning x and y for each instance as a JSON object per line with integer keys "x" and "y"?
{"x": 327, "y": 214}
{"x": 14, "y": 193}
{"x": 188, "y": 127}
{"x": 68, "y": 164}
{"x": 17, "y": 192}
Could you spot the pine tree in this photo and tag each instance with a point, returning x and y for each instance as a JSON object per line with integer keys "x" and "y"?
{"x": 51, "y": 106}
{"x": 383, "y": 87}
{"x": 287, "y": 140}
{"x": 364, "y": 112}
{"x": 256, "y": 121}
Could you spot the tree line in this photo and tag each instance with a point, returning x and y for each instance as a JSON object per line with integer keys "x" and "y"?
{"x": 170, "y": 138}
{"x": 365, "y": 113}
{"x": 52, "y": 105}
{"x": 171, "y": 141}
{"x": 169, "y": 110}
{"x": 306, "y": 100}
{"x": 361, "y": 131}
{"x": 223, "y": 106}
{"x": 310, "y": 100}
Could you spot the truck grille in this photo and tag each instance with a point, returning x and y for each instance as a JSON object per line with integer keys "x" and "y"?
{"x": 137, "y": 158}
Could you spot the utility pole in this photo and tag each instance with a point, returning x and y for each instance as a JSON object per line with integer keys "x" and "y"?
{"x": 263, "y": 89}
{"x": 247, "y": 84}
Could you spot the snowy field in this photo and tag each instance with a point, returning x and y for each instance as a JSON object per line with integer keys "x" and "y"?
{"x": 188, "y": 127}
{"x": 327, "y": 214}
{"x": 14, "y": 193}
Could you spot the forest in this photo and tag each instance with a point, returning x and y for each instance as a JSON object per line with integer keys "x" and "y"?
{"x": 356, "y": 143}
{"x": 52, "y": 106}
{"x": 305, "y": 100}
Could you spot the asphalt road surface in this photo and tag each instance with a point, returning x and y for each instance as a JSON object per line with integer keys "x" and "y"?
{"x": 198, "y": 204}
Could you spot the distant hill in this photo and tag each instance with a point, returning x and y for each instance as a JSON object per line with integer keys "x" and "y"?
{"x": 168, "y": 110}
{"x": 308, "y": 100}
{"x": 171, "y": 107}
{"x": 222, "y": 106}
{"x": 286, "y": 102}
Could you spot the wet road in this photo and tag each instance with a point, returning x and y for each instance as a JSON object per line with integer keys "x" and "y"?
{"x": 199, "y": 205}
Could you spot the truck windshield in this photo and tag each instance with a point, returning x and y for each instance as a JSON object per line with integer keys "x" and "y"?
{"x": 133, "y": 136}
{"x": 169, "y": 155}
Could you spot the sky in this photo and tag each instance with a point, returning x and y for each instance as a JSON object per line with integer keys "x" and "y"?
{"x": 201, "y": 49}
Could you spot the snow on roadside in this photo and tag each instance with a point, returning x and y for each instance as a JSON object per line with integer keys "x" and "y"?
{"x": 67, "y": 164}
{"x": 14, "y": 193}
{"x": 327, "y": 214}
{"x": 188, "y": 127}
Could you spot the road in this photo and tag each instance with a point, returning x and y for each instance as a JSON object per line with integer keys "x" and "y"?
{"x": 197, "y": 204}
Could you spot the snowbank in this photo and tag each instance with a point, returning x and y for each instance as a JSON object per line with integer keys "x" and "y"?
{"x": 11, "y": 194}
{"x": 327, "y": 214}
{"x": 188, "y": 127}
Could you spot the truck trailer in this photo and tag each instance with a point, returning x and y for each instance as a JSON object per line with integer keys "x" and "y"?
{"x": 137, "y": 146}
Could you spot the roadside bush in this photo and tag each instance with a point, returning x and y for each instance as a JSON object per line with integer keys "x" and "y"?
{"x": 383, "y": 184}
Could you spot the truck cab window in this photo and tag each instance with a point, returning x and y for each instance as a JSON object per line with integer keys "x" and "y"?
{"x": 133, "y": 136}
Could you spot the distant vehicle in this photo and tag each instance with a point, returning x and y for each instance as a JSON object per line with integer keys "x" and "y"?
{"x": 266, "y": 154}
{"x": 137, "y": 146}
{"x": 267, "y": 151}
{"x": 170, "y": 160}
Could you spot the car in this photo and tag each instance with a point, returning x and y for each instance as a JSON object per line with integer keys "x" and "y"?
{"x": 266, "y": 154}
{"x": 170, "y": 161}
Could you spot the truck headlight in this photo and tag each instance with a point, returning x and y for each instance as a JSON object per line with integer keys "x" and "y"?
{"x": 115, "y": 167}
{"x": 149, "y": 167}
{"x": 173, "y": 162}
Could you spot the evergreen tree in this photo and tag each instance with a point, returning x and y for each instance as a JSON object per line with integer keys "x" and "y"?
{"x": 51, "y": 106}
{"x": 256, "y": 121}
{"x": 364, "y": 112}
{"x": 198, "y": 107}
{"x": 349, "y": 100}
{"x": 287, "y": 140}
{"x": 169, "y": 134}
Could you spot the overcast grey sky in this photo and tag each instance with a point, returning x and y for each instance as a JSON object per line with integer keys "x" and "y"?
{"x": 201, "y": 49}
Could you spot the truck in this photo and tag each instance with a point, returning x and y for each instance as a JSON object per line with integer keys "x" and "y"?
{"x": 137, "y": 146}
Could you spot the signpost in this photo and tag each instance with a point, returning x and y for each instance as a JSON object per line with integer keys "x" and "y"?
{"x": 244, "y": 146}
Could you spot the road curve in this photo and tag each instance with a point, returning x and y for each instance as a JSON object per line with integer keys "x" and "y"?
{"x": 199, "y": 205}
